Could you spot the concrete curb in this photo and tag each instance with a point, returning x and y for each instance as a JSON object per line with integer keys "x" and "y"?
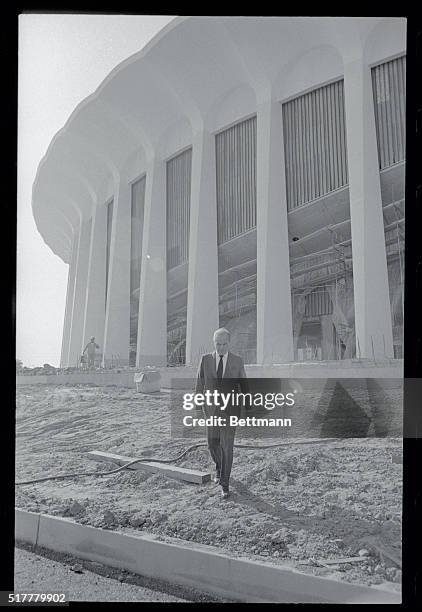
{"x": 199, "y": 566}
{"x": 27, "y": 526}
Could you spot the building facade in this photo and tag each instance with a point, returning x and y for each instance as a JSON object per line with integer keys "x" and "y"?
{"x": 237, "y": 172}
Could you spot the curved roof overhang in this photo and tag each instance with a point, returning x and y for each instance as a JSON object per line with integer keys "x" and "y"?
{"x": 182, "y": 74}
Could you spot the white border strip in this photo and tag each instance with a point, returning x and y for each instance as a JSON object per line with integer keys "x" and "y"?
{"x": 199, "y": 566}
{"x": 27, "y": 526}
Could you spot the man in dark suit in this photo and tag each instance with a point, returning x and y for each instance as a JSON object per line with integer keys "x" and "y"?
{"x": 223, "y": 371}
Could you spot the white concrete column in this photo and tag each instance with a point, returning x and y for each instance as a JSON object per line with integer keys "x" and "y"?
{"x": 116, "y": 329}
{"x": 373, "y": 326}
{"x": 94, "y": 319}
{"x": 152, "y": 320}
{"x": 78, "y": 311}
{"x": 274, "y": 311}
{"x": 202, "y": 308}
{"x": 69, "y": 303}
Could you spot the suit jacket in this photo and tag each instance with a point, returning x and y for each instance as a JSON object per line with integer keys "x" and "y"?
{"x": 234, "y": 379}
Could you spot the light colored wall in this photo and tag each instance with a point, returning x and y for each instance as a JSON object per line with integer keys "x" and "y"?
{"x": 234, "y": 83}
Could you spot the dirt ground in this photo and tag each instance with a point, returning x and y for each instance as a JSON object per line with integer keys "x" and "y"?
{"x": 292, "y": 505}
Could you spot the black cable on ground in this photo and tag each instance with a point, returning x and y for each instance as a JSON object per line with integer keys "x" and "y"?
{"x": 146, "y": 460}
{"x": 119, "y": 469}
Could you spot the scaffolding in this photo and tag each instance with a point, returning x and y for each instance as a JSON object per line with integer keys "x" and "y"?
{"x": 322, "y": 294}
{"x": 176, "y": 338}
{"x": 331, "y": 271}
{"x": 322, "y": 297}
{"x": 395, "y": 242}
{"x": 237, "y": 311}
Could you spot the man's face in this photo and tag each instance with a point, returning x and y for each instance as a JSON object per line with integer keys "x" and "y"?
{"x": 221, "y": 343}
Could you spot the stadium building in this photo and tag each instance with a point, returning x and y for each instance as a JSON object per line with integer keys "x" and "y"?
{"x": 237, "y": 172}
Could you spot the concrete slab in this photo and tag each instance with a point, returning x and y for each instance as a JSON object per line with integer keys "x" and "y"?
{"x": 172, "y": 471}
{"x": 202, "y": 567}
{"x": 348, "y": 368}
{"x": 26, "y": 526}
{"x": 37, "y": 379}
{"x": 104, "y": 378}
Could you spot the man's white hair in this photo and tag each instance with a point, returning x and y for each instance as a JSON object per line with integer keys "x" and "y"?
{"x": 222, "y": 330}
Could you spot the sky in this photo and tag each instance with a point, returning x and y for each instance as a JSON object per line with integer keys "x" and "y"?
{"x": 62, "y": 60}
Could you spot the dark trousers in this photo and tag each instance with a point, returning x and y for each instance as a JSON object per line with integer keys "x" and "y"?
{"x": 220, "y": 444}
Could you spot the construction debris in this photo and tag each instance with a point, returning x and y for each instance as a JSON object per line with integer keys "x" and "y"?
{"x": 171, "y": 471}
{"x": 387, "y": 554}
{"x": 76, "y": 508}
{"x": 148, "y": 381}
{"x": 334, "y": 561}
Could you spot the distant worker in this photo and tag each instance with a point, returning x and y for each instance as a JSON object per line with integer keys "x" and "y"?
{"x": 91, "y": 347}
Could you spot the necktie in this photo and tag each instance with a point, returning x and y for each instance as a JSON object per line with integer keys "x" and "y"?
{"x": 220, "y": 368}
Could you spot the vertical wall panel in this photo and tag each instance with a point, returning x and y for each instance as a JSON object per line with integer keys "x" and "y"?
{"x": 108, "y": 242}
{"x": 136, "y": 231}
{"x": 389, "y": 95}
{"x": 315, "y": 144}
{"x": 179, "y": 171}
{"x": 342, "y": 134}
{"x": 178, "y": 205}
{"x": 136, "y": 228}
{"x": 389, "y": 89}
{"x": 236, "y": 179}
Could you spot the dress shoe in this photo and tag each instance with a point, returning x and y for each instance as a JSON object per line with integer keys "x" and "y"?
{"x": 225, "y": 493}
